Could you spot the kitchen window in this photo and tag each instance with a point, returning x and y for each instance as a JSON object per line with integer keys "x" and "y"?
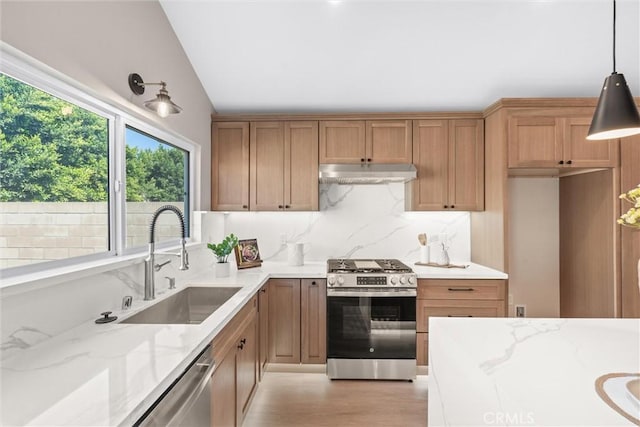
{"x": 80, "y": 178}
{"x": 157, "y": 175}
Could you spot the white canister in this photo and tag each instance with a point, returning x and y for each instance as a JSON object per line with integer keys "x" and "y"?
{"x": 295, "y": 253}
{"x": 424, "y": 254}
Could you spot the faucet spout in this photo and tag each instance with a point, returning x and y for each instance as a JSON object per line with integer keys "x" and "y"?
{"x": 149, "y": 262}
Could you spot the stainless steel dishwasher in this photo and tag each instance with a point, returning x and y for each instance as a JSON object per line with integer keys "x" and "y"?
{"x": 188, "y": 401}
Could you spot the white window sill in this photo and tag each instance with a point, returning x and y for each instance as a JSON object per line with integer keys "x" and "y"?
{"x": 27, "y": 282}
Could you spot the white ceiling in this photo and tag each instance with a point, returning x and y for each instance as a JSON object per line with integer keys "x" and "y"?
{"x": 428, "y": 55}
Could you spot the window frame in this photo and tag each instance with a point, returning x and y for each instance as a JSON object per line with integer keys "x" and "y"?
{"x": 31, "y": 72}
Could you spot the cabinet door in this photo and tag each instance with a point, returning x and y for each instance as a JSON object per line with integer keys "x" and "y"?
{"x": 246, "y": 368}
{"x": 313, "y": 323}
{"x": 534, "y": 142}
{"x": 284, "y": 321}
{"x": 629, "y": 237}
{"x": 301, "y": 166}
{"x": 263, "y": 330}
{"x": 342, "y": 141}
{"x": 466, "y": 165}
{"x": 581, "y": 153}
{"x": 422, "y": 349}
{"x": 230, "y": 166}
{"x": 389, "y": 141}
{"x": 267, "y": 166}
{"x": 431, "y": 158}
{"x": 223, "y": 392}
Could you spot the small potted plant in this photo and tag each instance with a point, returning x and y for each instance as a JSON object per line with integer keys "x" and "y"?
{"x": 222, "y": 251}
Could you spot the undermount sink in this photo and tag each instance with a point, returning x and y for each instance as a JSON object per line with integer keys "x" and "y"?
{"x": 189, "y": 306}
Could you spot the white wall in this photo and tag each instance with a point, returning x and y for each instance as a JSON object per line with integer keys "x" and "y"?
{"x": 534, "y": 258}
{"x": 99, "y": 43}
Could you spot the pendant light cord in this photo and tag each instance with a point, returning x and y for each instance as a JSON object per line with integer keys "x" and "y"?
{"x": 614, "y": 37}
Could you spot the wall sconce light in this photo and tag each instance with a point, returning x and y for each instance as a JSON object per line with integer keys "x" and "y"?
{"x": 162, "y": 103}
{"x": 616, "y": 114}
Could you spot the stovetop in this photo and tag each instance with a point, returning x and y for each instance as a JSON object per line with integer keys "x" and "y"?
{"x": 346, "y": 266}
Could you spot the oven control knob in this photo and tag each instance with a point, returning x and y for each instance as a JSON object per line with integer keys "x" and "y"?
{"x": 331, "y": 280}
{"x": 340, "y": 280}
{"x": 412, "y": 280}
{"x": 403, "y": 280}
{"x": 394, "y": 280}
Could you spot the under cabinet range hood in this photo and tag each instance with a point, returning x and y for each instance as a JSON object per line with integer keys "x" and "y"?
{"x": 366, "y": 173}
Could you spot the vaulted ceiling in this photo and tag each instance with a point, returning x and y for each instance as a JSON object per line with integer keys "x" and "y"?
{"x": 397, "y": 55}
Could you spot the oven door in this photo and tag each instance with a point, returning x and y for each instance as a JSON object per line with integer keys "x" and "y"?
{"x": 374, "y": 324}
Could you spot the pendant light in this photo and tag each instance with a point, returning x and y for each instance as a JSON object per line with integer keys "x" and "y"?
{"x": 616, "y": 114}
{"x": 162, "y": 104}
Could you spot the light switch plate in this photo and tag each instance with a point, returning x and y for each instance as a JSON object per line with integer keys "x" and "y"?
{"x": 521, "y": 310}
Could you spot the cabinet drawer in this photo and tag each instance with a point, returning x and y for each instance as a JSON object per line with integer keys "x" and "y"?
{"x": 453, "y": 308}
{"x": 461, "y": 289}
{"x": 422, "y": 349}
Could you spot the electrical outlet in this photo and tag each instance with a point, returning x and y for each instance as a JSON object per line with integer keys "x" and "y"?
{"x": 126, "y": 302}
{"x": 521, "y": 311}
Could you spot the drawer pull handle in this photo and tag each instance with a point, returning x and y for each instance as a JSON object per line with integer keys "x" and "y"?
{"x": 461, "y": 289}
{"x": 459, "y": 315}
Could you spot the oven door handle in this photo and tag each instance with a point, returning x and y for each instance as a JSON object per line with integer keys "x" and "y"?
{"x": 371, "y": 293}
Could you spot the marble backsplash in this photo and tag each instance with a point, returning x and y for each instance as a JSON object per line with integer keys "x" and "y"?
{"x": 354, "y": 221}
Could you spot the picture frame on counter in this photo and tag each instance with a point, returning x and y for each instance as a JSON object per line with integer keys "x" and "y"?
{"x": 247, "y": 254}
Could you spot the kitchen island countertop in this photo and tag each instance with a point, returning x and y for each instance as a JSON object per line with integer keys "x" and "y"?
{"x": 110, "y": 374}
{"x": 543, "y": 372}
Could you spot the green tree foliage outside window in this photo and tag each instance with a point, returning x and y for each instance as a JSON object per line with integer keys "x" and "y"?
{"x": 54, "y": 151}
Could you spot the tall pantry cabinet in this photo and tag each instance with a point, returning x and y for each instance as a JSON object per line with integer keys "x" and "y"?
{"x": 545, "y": 137}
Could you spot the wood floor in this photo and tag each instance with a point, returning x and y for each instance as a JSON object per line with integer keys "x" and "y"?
{"x": 311, "y": 399}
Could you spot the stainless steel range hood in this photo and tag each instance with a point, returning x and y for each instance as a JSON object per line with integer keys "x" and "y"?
{"x": 367, "y": 173}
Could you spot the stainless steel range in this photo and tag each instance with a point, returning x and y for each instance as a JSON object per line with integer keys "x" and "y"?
{"x": 371, "y": 319}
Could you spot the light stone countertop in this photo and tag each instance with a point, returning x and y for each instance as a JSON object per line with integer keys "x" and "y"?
{"x": 538, "y": 372}
{"x": 110, "y": 374}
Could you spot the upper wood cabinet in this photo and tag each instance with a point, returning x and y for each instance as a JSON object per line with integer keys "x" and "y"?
{"x": 449, "y": 157}
{"x": 557, "y": 142}
{"x": 342, "y": 141}
{"x": 230, "y": 166}
{"x": 284, "y": 166}
{"x": 370, "y": 141}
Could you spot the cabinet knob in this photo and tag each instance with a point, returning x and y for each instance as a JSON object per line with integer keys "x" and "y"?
{"x": 561, "y": 162}
{"x": 313, "y": 283}
{"x": 243, "y": 341}
{"x": 287, "y": 206}
{"x": 362, "y": 160}
{"x": 241, "y": 346}
{"x": 244, "y": 206}
{"x": 569, "y": 162}
{"x": 445, "y": 206}
{"x": 280, "y": 206}
{"x": 264, "y": 291}
{"x": 453, "y": 206}
{"x": 368, "y": 160}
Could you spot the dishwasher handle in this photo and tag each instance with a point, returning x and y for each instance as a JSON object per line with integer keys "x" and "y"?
{"x": 176, "y": 402}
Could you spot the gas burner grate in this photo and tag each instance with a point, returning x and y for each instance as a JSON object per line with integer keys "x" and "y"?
{"x": 366, "y": 266}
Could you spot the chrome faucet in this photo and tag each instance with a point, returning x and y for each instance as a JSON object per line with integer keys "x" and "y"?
{"x": 149, "y": 261}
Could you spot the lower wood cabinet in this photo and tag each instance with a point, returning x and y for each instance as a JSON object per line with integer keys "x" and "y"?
{"x": 297, "y": 321}
{"x": 235, "y": 377}
{"x": 455, "y": 298}
{"x": 263, "y": 328}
